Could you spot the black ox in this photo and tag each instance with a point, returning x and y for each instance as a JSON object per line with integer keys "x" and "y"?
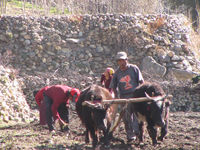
{"x": 154, "y": 112}
{"x": 93, "y": 114}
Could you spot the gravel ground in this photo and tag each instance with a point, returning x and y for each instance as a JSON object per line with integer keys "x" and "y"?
{"x": 183, "y": 134}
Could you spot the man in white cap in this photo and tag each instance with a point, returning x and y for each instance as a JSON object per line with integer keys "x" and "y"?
{"x": 127, "y": 77}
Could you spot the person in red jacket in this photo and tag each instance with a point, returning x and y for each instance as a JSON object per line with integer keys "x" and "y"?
{"x": 58, "y": 96}
{"x": 38, "y": 94}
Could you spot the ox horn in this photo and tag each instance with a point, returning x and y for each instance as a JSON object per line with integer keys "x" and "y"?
{"x": 109, "y": 105}
{"x": 98, "y": 106}
{"x": 147, "y": 95}
{"x": 88, "y": 104}
{"x": 157, "y": 98}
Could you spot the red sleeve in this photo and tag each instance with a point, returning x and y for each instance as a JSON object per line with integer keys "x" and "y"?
{"x": 39, "y": 97}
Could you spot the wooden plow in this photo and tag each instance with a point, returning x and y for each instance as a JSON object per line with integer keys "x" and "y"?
{"x": 131, "y": 100}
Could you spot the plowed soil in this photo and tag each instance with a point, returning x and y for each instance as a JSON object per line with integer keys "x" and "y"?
{"x": 184, "y": 129}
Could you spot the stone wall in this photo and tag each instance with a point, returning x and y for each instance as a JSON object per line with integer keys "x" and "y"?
{"x": 88, "y": 44}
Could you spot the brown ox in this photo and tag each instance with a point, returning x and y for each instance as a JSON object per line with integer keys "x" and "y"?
{"x": 93, "y": 114}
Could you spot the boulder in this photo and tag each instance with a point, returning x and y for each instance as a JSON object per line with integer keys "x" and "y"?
{"x": 182, "y": 74}
{"x": 149, "y": 65}
{"x": 73, "y": 40}
{"x": 3, "y": 38}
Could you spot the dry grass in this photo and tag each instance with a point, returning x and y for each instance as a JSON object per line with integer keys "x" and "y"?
{"x": 195, "y": 42}
{"x": 152, "y": 26}
{"x": 76, "y": 18}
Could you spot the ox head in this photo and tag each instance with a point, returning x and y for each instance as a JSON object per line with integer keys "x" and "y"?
{"x": 158, "y": 106}
{"x": 99, "y": 112}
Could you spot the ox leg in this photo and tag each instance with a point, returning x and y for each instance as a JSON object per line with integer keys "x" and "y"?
{"x": 93, "y": 135}
{"x": 87, "y": 136}
{"x": 163, "y": 131}
{"x": 152, "y": 133}
{"x": 90, "y": 129}
{"x": 165, "y": 127}
{"x": 141, "y": 129}
{"x": 95, "y": 140}
{"x": 106, "y": 136}
{"x": 114, "y": 112}
{"x": 106, "y": 140}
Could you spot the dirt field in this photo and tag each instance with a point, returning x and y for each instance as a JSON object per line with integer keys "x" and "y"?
{"x": 184, "y": 128}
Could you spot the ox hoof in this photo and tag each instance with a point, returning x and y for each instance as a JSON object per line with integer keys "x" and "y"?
{"x": 155, "y": 145}
{"x": 110, "y": 135}
{"x": 53, "y": 132}
{"x": 141, "y": 143}
{"x": 134, "y": 138}
{"x": 160, "y": 138}
{"x": 106, "y": 146}
{"x": 87, "y": 141}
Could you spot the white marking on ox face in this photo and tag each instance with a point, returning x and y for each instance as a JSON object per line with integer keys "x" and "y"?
{"x": 106, "y": 118}
{"x": 159, "y": 103}
{"x": 105, "y": 122}
{"x": 141, "y": 118}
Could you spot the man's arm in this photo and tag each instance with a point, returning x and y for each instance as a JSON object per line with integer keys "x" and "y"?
{"x": 138, "y": 73}
{"x": 38, "y": 98}
{"x": 55, "y": 113}
{"x": 140, "y": 77}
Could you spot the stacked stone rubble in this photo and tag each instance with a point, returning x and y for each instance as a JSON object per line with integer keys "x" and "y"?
{"x": 13, "y": 104}
{"x": 88, "y": 44}
{"x": 75, "y": 50}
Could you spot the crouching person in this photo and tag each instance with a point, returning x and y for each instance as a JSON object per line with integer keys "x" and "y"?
{"x": 56, "y": 100}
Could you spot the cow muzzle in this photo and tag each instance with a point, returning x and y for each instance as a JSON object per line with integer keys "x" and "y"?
{"x": 102, "y": 127}
{"x": 160, "y": 123}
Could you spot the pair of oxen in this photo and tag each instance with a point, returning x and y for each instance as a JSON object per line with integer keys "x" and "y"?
{"x": 149, "y": 102}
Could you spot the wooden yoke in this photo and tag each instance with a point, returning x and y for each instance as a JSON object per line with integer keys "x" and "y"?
{"x": 134, "y": 100}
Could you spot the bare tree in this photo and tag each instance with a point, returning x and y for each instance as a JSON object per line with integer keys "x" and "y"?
{"x": 93, "y": 6}
{"x": 3, "y": 6}
{"x": 23, "y": 6}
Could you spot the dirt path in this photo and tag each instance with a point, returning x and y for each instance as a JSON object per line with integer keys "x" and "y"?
{"x": 184, "y": 128}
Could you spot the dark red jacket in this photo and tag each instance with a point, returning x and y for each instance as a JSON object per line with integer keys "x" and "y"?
{"x": 39, "y": 95}
{"x": 58, "y": 93}
{"x": 107, "y": 82}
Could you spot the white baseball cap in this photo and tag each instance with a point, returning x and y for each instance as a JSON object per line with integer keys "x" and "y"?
{"x": 121, "y": 55}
